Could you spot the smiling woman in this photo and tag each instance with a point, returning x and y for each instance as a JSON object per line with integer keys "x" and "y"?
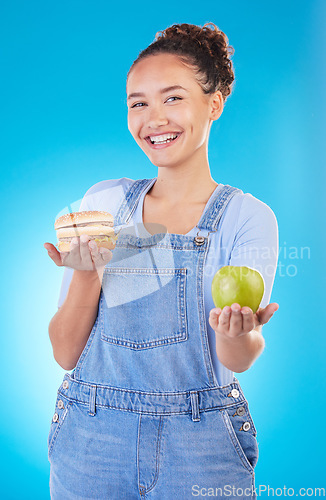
{"x": 152, "y": 406}
{"x": 171, "y": 122}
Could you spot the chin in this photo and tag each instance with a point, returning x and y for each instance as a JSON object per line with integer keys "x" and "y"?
{"x": 168, "y": 161}
{"x": 165, "y": 164}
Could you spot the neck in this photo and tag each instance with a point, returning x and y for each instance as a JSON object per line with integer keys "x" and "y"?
{"x": 182, "y": 184}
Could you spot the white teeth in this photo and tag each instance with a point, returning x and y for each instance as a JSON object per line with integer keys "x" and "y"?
{"x": 162, "y": 139}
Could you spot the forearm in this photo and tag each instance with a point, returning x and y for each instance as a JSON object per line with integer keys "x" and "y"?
{"x": 70, "y": 327}
{"x": 239, "y": 353}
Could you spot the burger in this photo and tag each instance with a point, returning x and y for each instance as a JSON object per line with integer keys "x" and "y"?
{"x": 96, "y": 224}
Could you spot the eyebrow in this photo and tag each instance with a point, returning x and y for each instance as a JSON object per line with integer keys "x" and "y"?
{"x": 162, "y": 91}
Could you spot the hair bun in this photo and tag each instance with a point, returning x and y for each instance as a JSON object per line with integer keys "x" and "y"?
{"x": 208, "y": 46}
{"x": 212, "y": 41}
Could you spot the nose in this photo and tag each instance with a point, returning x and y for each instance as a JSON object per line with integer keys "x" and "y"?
{"x": 157, "y": 116}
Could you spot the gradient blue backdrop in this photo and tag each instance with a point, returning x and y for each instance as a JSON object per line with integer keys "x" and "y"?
{"x": 64, "y": 128}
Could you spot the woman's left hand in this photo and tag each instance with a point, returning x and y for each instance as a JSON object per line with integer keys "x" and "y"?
{"x": 235, "y": 321}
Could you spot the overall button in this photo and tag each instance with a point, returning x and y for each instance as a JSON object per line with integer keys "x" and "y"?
{"x": 65, "y": 384}
{"x": 55, "y": 417}
{"x": 199, "y": 240}
{"x": 235, "y": 393}
{"x": 240, "y": 411}
{"x": 60, "y": 404}
{"x": 245, "y": 427}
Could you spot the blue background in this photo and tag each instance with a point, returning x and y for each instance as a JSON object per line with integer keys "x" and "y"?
{"x": 64, "y": 128}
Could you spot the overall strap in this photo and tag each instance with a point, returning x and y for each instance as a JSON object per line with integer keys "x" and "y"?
{"x": 212, "y": 215}
{"x": 130, "y": 201}
{"x": 209, "y": 220}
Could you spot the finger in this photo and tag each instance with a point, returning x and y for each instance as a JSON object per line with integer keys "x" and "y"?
{"x": 102, "y": 257}
{"x": 49, "y": 247}
{"x": 93, "y": 249}
{"x": 74, "y": 247}
{"x": 224, "y": 319}
{"x": 95, "y": 253}
{"x": 264, "y": 315}
{"x": 214, "y": 317}
{"x": 273, "y": 306}
{"x": 73, "y": 255}
{"x": 247, "y": 319}
{"x": 106, "y": 254}
{"x": 235, "y": 320}
{"x": 85, "y": 253}
{"x": 53, "y": 253}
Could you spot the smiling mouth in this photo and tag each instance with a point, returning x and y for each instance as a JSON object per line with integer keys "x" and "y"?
{"x": 159, "y": 140}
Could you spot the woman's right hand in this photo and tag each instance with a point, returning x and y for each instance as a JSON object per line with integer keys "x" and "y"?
{"x": 84, "y": 254}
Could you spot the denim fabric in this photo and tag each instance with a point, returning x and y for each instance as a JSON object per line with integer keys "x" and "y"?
{"x": 141, "y": 416}
{"x": 246, "y": 229}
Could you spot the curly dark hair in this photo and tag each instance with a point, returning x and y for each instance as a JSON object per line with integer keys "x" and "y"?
{"x": 206, "y": 49}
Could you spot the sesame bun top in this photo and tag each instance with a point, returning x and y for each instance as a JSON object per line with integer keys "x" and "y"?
{"x": 83, "y": 218}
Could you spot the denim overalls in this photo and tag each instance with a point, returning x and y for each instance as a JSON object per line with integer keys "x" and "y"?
{"x": 140, "y": 417}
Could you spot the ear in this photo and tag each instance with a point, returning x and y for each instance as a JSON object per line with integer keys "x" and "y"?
{"x": 216, "y": 105}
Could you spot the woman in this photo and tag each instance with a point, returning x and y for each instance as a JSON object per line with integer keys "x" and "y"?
{"x": 152, "y": 408}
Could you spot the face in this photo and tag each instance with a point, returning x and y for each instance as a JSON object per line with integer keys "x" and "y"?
{"x": 169, "y": 116}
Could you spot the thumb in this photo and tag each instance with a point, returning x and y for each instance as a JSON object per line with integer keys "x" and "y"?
{"x": 53, "y": 253}
{"x": 264, "y": 315}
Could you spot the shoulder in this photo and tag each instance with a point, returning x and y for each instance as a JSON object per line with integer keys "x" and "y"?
{"x": 106, "y": 195}
{"x": 245, "y": 208}
{"x": 103, "y": 187}
{"x": 245, "y": 219}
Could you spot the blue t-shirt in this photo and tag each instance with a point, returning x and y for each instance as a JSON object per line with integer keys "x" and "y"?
{"x": 247, "y": 236}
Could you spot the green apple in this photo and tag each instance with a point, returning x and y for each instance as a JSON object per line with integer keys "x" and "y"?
{"x": 242, "y": 285}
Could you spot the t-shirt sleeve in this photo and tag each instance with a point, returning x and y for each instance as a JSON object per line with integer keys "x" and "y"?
{"x": 106, "y": 196}
{"x": 256, "y": 241}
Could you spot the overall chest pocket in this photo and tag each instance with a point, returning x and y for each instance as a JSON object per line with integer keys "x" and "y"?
{"x": 143, "y": 308}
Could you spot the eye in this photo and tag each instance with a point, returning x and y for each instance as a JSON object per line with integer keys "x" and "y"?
{"x": 174, "y": 98}
{"x": 138, "y": 105}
